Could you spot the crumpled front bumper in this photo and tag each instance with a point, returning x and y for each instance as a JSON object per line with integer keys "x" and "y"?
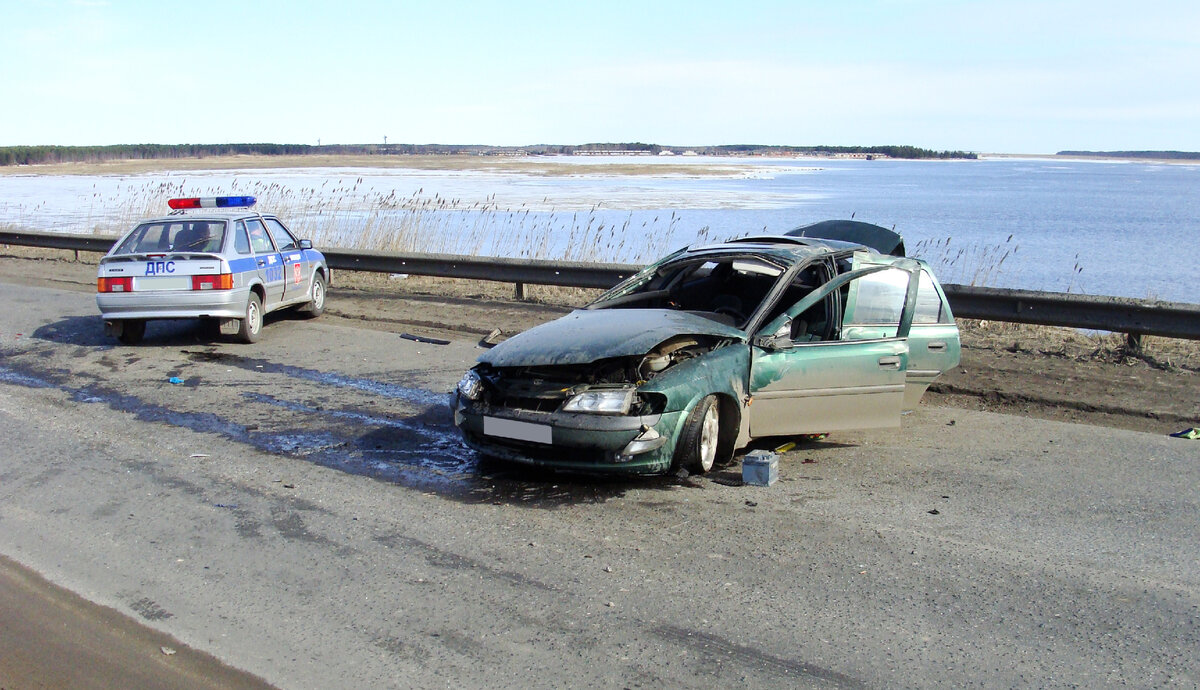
{"x": 590, "y": 443}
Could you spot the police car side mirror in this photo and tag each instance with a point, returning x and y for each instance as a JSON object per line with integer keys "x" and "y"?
{"x": 306, "y": 244}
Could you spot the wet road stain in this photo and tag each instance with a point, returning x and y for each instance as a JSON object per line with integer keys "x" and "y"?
{"x": 393, "y": 391}
{"x": 422, "y": 450}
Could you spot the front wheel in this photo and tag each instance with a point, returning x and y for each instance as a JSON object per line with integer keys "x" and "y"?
{"x": 696, "y": 450}
{"x": 316, "y": 298}
{"x": 251, "y": 324}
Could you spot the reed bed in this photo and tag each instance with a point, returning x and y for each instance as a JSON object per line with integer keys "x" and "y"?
{"x": 345, "y": 214}
{"x": 966, "y": 264}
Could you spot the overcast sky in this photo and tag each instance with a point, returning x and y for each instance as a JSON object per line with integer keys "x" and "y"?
{"x": 1017, "y": 77}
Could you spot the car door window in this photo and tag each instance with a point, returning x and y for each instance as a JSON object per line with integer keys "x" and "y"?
{"x": 241, "y": 240}
{"x": 879, "y": 298}
{"x": 258, "y": 237}
{"x": 930, "y": 307}
{"x": 283, "y": 239}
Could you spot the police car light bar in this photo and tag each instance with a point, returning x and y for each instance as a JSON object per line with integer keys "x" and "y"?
{"x": 212, "y": 202}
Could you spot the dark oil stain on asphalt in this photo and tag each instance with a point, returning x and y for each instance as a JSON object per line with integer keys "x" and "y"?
{"x": 417, "y": 396}
{"x": 422, "y": 451}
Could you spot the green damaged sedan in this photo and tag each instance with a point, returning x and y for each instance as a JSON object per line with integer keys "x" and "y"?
{"x": 696, "y": 355}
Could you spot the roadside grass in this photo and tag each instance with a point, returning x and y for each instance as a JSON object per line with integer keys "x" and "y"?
{"x": 1080, "y": 345}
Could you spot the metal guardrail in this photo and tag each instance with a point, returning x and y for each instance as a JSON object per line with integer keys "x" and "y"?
{"x": 1135, "y": 317}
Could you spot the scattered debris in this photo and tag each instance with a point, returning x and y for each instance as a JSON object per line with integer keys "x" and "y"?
{"x": 809, "y": 461}
{"x": 935, "y": 511}
{"x": 175, "y": 380}
{"x": 424, "y": 339}
{"x": 752, "y": 504}
{"x": 289, "y": 486}
{"x": 786, "y": 447}
{"x": 198, "y": 455}
{"x": 167, "y": 650}
{"x": 231, "y": 506}
{"x": 493, "y": 338}
{"x": 1193, "y": 433}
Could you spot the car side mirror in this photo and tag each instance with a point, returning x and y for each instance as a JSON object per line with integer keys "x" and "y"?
{"x": 778, "y": 341}
{"x": 306, "y": 244}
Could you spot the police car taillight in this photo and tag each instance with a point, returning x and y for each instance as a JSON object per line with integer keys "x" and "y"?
{"x": 114, "y": 284}
{"x": 223, "y": 281}
{"x": 212, "y": 202}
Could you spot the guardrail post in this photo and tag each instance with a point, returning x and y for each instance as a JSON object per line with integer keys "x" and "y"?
{"x": 519, "y": 292}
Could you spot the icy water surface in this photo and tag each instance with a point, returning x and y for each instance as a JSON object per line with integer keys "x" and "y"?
{"x": 1108, "y": 228}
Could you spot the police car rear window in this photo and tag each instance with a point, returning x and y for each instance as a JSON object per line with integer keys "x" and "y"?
{"x": 174, "y": 236}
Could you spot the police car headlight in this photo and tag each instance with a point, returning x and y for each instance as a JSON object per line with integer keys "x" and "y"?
{"x": 601, "y": 401}
{"x": 470, "y": 385}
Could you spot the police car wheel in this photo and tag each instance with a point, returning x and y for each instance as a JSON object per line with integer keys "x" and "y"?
{"x": 316, "y": 297}
{"x": 251, "y": 325}
{"x": 132, "y": 331}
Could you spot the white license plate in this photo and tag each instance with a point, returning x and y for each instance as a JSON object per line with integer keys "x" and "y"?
{"x": 519, "y": 431}
{"x": 162, "y": 283}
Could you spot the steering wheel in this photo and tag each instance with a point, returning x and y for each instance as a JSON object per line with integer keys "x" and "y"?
{"x": 738, "y": 317}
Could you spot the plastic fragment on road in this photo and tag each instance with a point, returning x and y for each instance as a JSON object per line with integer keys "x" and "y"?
{"x": 493, "y": 338}
{"x": 1193, "y": 433}
{"x": 175, "y": 380}
{"x": 424, "y": 339}
{"x": 786, "y": 447}
{"x": 760, "y": 468}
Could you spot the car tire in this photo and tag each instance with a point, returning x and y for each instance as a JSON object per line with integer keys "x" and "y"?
{"x": 316, "y": 298}
{"x": 699, "y": 441}
{"x": 132, "y": 331}
{"x": 251, "y": 324}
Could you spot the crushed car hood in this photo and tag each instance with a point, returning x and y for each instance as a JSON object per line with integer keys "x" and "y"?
{"x": 585, "y": 336}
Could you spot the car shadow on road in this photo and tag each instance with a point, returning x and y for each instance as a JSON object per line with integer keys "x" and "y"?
{"x": 502, "y": 483}
{"x": 88, "y": 331}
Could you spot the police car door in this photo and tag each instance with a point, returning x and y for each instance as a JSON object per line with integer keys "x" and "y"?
{"x": 268, "y": 261}
{"x": 295, "y": 269}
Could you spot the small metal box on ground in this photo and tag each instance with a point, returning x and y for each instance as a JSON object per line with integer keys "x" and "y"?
{"x": 760, "y": 468}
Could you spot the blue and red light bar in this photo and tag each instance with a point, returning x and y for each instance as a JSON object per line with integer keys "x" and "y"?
{"x": 212, "y": 202}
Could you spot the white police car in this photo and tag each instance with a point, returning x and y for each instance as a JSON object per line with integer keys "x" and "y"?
{"x": 210, "y": 258}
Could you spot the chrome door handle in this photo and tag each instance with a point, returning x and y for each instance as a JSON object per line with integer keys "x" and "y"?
{"x": 889, "y": 362}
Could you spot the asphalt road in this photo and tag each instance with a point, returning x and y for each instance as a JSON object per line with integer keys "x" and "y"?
{"x": 301, "y": 510}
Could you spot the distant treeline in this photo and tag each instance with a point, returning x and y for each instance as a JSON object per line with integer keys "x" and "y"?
{"x": 33, "y": 155}
{"x": 1164, "y": 155}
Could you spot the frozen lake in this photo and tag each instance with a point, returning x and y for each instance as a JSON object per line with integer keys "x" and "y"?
{"x": 1108, "y": 228}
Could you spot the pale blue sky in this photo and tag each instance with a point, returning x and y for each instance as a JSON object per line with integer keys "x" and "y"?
{"x": 1017, "y": 77}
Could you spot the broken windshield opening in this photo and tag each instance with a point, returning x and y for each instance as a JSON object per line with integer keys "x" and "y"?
{"x": 727, "y": 289}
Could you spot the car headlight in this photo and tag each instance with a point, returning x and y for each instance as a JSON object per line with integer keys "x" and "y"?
{"x": 470, "y": 385}
{"x": 616, "y": 401}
